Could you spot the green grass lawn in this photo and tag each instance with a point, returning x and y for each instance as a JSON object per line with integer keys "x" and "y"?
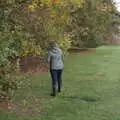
{"x": 93, "y": 76}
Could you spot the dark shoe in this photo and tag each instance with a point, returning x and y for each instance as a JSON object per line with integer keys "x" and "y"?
{"x": 52, "y": 94}
{"x": 59, "y": 91}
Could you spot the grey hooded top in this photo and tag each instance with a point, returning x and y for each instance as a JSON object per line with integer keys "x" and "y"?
{"x": 55, "y": 58}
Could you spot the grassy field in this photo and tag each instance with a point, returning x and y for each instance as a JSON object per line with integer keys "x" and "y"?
{"x": 91, "y": 90}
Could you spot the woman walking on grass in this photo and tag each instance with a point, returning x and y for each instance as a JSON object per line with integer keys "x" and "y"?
{"x": 55, "y": 60}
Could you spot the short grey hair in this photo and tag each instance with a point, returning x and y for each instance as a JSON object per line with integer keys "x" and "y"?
{"x": 53, "y": 44}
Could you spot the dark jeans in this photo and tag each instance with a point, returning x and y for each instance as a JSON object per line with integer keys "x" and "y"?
{"x": 56, "y": 80}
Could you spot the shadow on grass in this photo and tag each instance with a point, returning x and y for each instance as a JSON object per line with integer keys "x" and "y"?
{"x": 77, "y": 98}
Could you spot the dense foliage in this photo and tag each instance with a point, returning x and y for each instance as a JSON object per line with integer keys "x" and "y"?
{"x": 90, "y": 24}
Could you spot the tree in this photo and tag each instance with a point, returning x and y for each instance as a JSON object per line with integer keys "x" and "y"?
{"x": 89, "y": 25}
